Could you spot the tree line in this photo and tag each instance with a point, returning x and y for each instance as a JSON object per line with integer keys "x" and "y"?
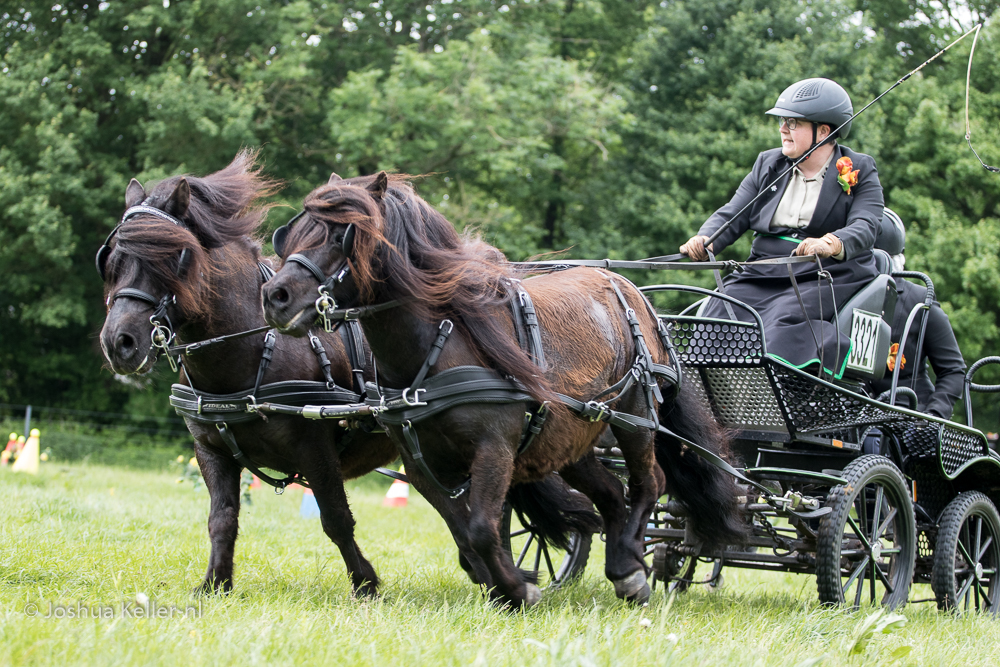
{"x": 610, "y": 127}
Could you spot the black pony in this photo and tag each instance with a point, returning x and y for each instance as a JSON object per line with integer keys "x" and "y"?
{"x": 209, "y": 265}
{"x": 381, "y": 244}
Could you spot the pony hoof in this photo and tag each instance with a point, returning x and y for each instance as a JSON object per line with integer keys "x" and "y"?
{"x": 633, "y": 588}
{"x": 532, "y": 596}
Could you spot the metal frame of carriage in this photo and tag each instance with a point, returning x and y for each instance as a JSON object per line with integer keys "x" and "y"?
{"x": 867, "y": 525}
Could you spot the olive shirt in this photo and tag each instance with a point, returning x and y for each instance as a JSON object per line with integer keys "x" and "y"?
{"x": 797, "y": 205}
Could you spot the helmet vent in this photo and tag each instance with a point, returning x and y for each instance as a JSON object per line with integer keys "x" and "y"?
{"x": 808, "y": 91}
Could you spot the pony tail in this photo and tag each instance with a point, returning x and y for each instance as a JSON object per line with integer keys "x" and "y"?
{"x": 708, "y": 493}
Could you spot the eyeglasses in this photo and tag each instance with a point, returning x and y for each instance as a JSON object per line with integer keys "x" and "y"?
{"x": 792, "y": 123}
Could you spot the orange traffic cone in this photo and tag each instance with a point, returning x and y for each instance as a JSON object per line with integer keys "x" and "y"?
{"x": 398, "y": 494}
{"x": 9, "y": 450}
{"x": 28, "y": 460}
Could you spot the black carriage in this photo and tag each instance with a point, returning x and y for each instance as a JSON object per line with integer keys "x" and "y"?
{"x": 867, "y": 521}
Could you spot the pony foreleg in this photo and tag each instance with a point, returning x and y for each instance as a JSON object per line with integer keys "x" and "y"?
{"x": 327, "y": 484}
{"x": 456, "y": 516}
{"x": 222, "y": 478}
{"x": 491, "y": 470}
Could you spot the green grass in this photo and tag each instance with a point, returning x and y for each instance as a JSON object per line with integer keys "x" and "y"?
{"x": 99, "y": 535}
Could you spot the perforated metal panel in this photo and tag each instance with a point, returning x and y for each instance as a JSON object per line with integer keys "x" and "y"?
{"x": 957, "y": 449}
{"x": 703, "y": 342}
{"x": 744, "y": 399}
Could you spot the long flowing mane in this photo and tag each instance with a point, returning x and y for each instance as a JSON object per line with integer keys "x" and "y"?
{"x": 225, "y": 207}
{"x": 404, "y": 249}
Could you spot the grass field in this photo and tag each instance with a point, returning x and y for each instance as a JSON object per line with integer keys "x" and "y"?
{"x": 90, "y": 537}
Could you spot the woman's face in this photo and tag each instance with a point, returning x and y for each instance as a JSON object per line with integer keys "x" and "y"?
{"x": 796, "y": 142}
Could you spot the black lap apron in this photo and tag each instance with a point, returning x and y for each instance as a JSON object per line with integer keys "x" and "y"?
{"x": 787, "y": 333}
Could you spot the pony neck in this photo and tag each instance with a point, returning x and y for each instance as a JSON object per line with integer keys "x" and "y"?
{"x": 400, "y": 341}
{"x": 234, "y": 302}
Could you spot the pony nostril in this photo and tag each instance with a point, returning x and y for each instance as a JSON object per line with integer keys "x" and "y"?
{"x": 278, "y": 295}
{"x": 126, "y": 345}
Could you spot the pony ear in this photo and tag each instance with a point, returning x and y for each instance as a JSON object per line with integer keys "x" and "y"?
{"x": 134, "y": 194}
{"x": 379, "y": 185}
{"x": 334, "y": 178}
{"x": 179, "y": 200}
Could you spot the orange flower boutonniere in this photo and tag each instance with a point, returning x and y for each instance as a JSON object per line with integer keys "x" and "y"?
{"x": 893, "y": 352}
{"x": 845, "y": 176}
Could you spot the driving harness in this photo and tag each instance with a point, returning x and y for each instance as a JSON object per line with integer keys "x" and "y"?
{"x": 222, "y": 410}
{"x": 426, "y": 397}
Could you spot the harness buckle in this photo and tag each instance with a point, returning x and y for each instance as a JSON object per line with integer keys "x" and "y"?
{"x": 451, "y": 327}
{"x": 199, "y": 407}
{"x": 252, "y": 405}
{"x": 416, "y": 402}
{"x": 325, "y": 304}
{"x": 601, "y": 408}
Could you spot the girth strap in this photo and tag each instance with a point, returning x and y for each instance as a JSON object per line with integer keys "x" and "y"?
{"x": 413, "y": 444}
{"x": 278, "y": 484}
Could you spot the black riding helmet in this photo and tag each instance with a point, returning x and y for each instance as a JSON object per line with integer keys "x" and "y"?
{"x": 816, "y": 100}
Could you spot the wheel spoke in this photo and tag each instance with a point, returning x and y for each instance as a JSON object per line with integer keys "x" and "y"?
{"x": 885, "y": 524}
{"x": 524, "y": 550}
{"x": 966, "y": 556}
{"x": 538, "y": 553}
{"x": 963, "y": 592}
{"x": 548, "y": 561}
{"x": 859, "y": 534}
{"x": 518, "y": 533}
{"x": 879, "y": 499}
{"x": 982, "y": 552}
{"x": 986, "y": 598}
{"x": 875, "y": 568}
{"x": 854, "y": 575}
{"x": 883, "y": 577}
{"x": 979, "y": 536}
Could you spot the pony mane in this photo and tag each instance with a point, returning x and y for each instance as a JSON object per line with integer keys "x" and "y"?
{"x": 225, "y": 208}
{"x": 405, "y": 249}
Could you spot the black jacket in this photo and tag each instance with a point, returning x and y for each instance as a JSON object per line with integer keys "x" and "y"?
{"x": 853, "y": 217}
{"x": 940, "y": 348}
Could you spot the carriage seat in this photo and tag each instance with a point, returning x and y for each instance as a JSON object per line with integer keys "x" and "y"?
{"x": 867, "y": 320}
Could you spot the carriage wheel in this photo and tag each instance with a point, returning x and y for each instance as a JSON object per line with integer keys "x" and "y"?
{"x": 967, "y": 554}
{"x": 552, "y": 566}
{"x": 869, "y": 540}
{"x": 678, "y": 570}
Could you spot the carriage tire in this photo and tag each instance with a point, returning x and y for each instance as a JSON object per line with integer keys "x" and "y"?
{"x": 838, "y": 569}
{"x": 969, "y": 529}
{"x": 556, "y": 568}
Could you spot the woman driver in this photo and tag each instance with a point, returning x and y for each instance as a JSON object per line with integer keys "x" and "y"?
{"x": 829, "y": 206}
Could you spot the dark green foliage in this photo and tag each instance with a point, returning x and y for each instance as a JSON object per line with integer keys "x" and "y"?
{"x": 611, "y": 127}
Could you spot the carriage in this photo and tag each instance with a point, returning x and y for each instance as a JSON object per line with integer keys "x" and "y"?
{"x": 917, "y": 504}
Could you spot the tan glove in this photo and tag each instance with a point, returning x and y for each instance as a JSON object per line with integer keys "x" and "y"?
{"x": 695, "y": 248}
{"x": 827, "y": 245}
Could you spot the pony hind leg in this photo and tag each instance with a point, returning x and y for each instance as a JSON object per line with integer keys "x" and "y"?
{"x": 645, "y": 485}
{"x": 222, "y": 479}
{"x": 624, "y": 564}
